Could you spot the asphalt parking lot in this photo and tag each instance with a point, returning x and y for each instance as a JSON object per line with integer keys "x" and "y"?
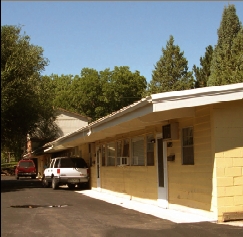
{"x": 28, "y": 209}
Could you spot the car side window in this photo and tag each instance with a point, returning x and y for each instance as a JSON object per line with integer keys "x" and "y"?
{"x": 51, "y": 164}
{"x": 56, "y": 165}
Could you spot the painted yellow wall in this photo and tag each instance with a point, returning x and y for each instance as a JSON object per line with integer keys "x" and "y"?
{"x": 136, "y": 181}
{"x": 228, "y": 138}
{"x": 214, "y": 183}
{"x": 42, "y": 161}
{"x": 89, "y": 156}
{"x": 191, "y": 185}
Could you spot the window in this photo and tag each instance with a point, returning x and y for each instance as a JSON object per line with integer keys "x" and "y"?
{"x": 73, "y": 163}
{"x": 103, "y": 152}
{"x": 51, "y": 164}
{"x": 56, "y": 164}
{"x": 138, "y": 151}
{"x": 119, "y": 152}
{"x": 111, "y": 154}
{"x": 187, "y": 146}
{"x": 150, "y": 149}
{"x": 123, "y": 152}
{"x": 26, "y": 164}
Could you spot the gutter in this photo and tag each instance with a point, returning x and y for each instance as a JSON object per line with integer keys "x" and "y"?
{"x": 48, "y": 149}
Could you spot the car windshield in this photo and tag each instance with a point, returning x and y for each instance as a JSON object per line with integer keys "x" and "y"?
{"x": 26, "y": 164}
{"x": 73, "y": 163}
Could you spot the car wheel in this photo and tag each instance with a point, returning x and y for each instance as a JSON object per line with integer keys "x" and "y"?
{"x": 17, "y": 177}
{"x": 71, "y": 186}
{"x": 45, "y": 183}
{"x": 54, "y": 183}
{"x": 33, "y": 177}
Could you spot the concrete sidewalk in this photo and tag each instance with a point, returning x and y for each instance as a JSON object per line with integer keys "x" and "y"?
{"x": 168, "y": 214}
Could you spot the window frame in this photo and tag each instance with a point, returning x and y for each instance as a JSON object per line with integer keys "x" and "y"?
{"x": 150, "y": 139}
{"x": 122, "y": 158}
{"x": 133, "y": 140}
{"x": 110, "y": 157}
{"x": 187, "y": 143}
{"x": 103, "y": 152}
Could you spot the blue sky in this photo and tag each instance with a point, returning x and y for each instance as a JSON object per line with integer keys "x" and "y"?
{"x": 100, "y": 35}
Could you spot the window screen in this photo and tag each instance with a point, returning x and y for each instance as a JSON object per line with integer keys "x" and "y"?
{"x": 187, "y": 146}
{"x": 103, "y": 152}
{"x": 111, "y": 154}
{"x": 123, "y": 152}
{"x": 150, "y": 150}
{"x": 138, "y": 151}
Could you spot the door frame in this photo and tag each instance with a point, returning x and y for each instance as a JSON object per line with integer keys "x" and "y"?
{"x": 97, "y": 165}
{"x": 162, "y": 191}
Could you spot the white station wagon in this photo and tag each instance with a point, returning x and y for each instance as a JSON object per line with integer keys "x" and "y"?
{"x": 69, "y": 171}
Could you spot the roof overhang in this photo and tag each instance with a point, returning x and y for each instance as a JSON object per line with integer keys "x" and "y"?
{"x": 148, "y": 112}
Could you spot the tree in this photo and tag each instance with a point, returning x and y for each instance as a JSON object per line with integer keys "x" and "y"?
{"x": 202, "y": 74}
{"x": 46, "y": 129}
{"x": 171, "y": 71}
{"x": 61, "y": 90}
{"x": 23, "y": 102}
{"x": 227, "y": 57}
{"x": 85, "y": 93}
{"x": 121, "y": 87}
{"x": 97, "y": 94}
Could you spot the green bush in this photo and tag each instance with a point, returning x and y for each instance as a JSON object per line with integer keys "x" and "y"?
{"x": 8, "y": 165}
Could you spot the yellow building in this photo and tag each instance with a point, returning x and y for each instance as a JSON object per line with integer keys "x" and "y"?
{"x": 180, "y": 150}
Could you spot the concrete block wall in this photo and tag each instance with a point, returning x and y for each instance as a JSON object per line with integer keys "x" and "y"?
{"x": 228, "y": 138}
{"x": 191, "y": 185}
{"x": 135, "y": 181}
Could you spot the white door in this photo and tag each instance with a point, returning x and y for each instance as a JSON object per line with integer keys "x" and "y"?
{"x": 162, "y": 172}
{"x": 98, "y": 158}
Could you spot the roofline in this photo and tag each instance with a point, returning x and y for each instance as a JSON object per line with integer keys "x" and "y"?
{"x": 167, "y": 101}
{"x": 80, "y": 115}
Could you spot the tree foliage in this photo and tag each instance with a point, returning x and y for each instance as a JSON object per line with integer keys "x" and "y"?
{"x": 86, "y": 91}
{"x": 171, "y": 71}
{"x": 97, "y": 94}
{"x": 202, "y": 74}
{"x": 60, "y": 87}
{"x": 121, "y": 87}
{"x": 227, "y": 59}
{"x": 23, "y": 101}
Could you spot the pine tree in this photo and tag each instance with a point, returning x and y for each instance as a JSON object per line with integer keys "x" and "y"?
{"x": 171, "y": 71}
{"x": 226, "y": 66}
{"x": 202, "y": 74}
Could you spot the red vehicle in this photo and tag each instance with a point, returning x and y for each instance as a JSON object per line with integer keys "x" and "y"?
{"x": 25, "y": 168}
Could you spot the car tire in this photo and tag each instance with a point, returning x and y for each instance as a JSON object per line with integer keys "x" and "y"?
{"x": 71, "y": 186}
{"x": 45, "y": 183}
{"x": 33, "y": 177}
{"x": 17, "y": 177}
{"x": 54, "y": 183}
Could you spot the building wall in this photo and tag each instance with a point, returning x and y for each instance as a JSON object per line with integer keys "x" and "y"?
{"x": 134, "y": 181}
{"x": 213, "y": 184}
{"x": 191, "y": 185}
{"x": 188, "y": 185}
{"x": 228, "y": 139}
{"x": 69, "y": 122}
{"x": 43, "y": 162}
{"x": 88, "y": 154}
